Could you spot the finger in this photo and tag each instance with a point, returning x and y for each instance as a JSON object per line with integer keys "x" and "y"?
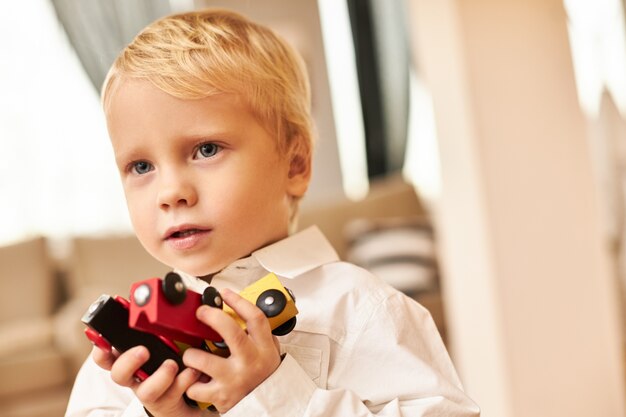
{"x": 184, "y": 380}
{"x": 202, "y": 361}
{"x": 276, "y": 343}
{"x": 257, "y": 324}
{"x": 232, "y": 333}
{"x": 158, "y": 383}
{"x": 203, "y": 391}
{"x": 103, "y": 358}
{"x": 124, "y": 367}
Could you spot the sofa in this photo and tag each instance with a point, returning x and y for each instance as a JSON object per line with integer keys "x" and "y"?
{"x": 44, "y": 294}
{"x": 34, "y": 374}
{"x": 47, "y": 285}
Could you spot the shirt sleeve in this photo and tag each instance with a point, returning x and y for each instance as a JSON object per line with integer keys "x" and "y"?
{"x": 397, "y": 367}
{"x": 96, "y": 395}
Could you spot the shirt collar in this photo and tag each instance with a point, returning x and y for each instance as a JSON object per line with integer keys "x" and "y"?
{"x": 297, "y": 254}
{"x": 288, "y": 258}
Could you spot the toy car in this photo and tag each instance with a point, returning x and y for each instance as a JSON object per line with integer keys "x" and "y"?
{"x": 161, "y": 316}
{"x": 107, "y": 327}
{"x": 166, "y": 308}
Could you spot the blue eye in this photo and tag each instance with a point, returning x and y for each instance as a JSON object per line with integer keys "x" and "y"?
{"x": 207, "y": 150}
{"x": 141, "y": 167}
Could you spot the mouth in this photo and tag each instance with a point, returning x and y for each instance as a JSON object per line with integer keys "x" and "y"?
{"x": 182, "y": 232}
{"x": 186, "y": 237}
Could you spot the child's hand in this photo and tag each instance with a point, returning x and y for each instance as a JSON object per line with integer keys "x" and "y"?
{"x": 162, "y": 392}
{"x": 254, "y": 355}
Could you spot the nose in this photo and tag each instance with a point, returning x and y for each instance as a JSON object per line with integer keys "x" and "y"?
{"x": 176, "y": 190}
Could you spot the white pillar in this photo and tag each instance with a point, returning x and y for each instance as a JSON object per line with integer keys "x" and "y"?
{"x": 528, "y": 284}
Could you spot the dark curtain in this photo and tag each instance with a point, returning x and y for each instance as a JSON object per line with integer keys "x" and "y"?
{"x": 99, "y": 29}
{"x": 383, "y": 63}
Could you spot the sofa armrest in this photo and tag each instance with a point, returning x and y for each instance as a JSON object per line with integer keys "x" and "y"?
{"x": 68, "y": 330}
{"x": 25, "y": 334}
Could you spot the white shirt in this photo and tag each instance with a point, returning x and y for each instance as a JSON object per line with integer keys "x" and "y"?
{"x": 360, "y": 347}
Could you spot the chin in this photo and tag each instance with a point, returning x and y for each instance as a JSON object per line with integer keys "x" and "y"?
{"x": 198, "y": 269}
{"x": 201, "y": 264}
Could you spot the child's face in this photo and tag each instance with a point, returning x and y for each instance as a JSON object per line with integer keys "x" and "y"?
{"x": 204, "y": 182}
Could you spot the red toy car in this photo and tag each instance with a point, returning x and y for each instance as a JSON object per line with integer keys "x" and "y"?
{"x": 166, "y": 308}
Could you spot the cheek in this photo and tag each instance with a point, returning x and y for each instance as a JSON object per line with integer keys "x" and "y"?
{"x": 270, "y": 203}
{"x": 249, "y": 201}
{"x": 140, "y": 215}
{"x": 266, "y": 190}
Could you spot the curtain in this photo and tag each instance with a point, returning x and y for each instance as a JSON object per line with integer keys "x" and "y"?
{"x": 98, "y": 30}
{"x": 383, "y": 64}
{"x": 57, "y": 172}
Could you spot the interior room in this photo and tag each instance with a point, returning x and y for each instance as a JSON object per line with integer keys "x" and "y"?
{"x": 472, "y": 154}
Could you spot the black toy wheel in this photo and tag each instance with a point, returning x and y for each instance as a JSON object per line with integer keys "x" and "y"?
{"x": 173, "y": 288}
{"x": 271, "y": 302}
{"x": 189, "y": 401}
{"x": 211, "y": 297}
{"x": 221, "y": 345}
{"x": 285, "y": 328}
{"x": 293, "y": 297}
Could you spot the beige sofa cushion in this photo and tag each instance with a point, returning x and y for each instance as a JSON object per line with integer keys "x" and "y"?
{"x": 46, "y": 403}
{"x": 21, "y": 335}
{"x": 32, "y": 370}
{"x": 111, "y": 263}
{"x": 69, "y": 335}
{"x": 388, "y": 197}
{"x": 27, "y": 281}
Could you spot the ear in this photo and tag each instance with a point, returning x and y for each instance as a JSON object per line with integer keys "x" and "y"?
{"x": 299, "y": 174}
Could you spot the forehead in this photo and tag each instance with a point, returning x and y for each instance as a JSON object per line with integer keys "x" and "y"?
{"x": 128, "y": 93}
{"x": 138, "y": 104}
{"x": 140, "y": 115}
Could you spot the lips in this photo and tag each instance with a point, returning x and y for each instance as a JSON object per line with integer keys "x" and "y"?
{"x": 186, "y": 237}
{"x": 183, "y": 231}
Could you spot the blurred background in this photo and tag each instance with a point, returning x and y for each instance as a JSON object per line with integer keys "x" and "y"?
{"x": 471, "y": 153}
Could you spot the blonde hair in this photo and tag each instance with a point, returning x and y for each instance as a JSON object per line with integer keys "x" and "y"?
{"x": 203, "y": 53}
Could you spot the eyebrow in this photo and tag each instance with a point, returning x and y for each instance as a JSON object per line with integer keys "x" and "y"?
{"x": 123, "y": 158}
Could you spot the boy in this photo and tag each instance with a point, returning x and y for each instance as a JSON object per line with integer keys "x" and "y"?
{"x": 208, "y": 114}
